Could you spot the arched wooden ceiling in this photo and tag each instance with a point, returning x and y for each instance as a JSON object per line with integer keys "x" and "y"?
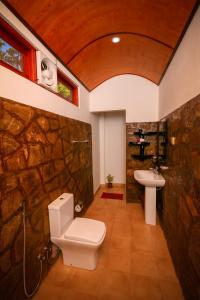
{"x": 79, "y": 33}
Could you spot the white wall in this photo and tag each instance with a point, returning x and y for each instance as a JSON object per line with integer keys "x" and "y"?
{"x": 136, "y": 95}
{"x": 20, "y": 89}
{"x": 182, "y": 79}
{"x": 113, "y": 146}
{"x": 95, "y": 150}
{"x": 102, "y": 147}
{"x": 121, "y": 99}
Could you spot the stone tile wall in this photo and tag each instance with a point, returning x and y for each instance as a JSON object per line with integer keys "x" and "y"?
{"x": 134, "y": 191}
{"x": 181, "y": 195}
{"x": 38, "y": 162}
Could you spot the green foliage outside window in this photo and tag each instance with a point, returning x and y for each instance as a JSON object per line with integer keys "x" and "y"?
{"x": 64, "y": 91}
{"x": 10, "y": 55}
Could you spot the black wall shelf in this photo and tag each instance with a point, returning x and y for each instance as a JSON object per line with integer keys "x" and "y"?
{"x": 142, "y": 145}
{"x": 141, "y": 157}
{"x": 150, "y": 133}
{"x": 139, "y": 143}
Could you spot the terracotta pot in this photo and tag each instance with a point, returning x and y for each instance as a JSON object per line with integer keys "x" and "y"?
{"x": 109, "y": 184}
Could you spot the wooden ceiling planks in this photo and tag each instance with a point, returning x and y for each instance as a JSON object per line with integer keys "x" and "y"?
{"x": 133, "y": 55}
{"x": 79, "y": 32}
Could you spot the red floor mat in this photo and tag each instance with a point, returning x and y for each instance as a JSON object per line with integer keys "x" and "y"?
{"x": 112, "y": 196}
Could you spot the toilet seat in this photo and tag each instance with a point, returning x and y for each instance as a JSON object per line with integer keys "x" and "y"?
{"x": 85, "y": 230}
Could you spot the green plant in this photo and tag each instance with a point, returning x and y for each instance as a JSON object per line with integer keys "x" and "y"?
{"x": 109, "y": 178}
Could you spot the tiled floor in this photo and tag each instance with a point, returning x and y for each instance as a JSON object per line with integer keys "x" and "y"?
{"x": 134, "y": 261}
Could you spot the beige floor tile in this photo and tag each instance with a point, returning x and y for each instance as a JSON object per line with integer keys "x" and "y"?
{"x": 137, "y": 209}
{"x": 166, "y": 269}
{"x": 121, "y": 230}
{"x": 101, "y": 213}
{"x": 47, "y": 291}
{"x": 103, "y": 260}
{"x": 138, "y": 220}
{"x": 141, "y": 229}
{"x": 141, "y": 238}
{"x": 59, "y": 275}
{"x": 120, "y": 244}
{"x": 97, "y": 215}
{"x": 105, "y": 247}
{"x": 75, "y": 295}
{"x": 123, "y": 213}
{"x": 142, "y": 243}
{"x": 115, "y": 283}
{"x": 160, "y": 247}
{"x": 144, "y": 288}
{"x": 109, "y": 228}
{"x": 108, "y": 296}
{"x": 157, "y": 231}
{"x": 170, "y": 290}
{"x": 144, "y": 263}
{"x": 119, "y": 261}
{"x": 122, "y": 222}
{"x": 85, "y": 281}
{"x": 137, "y": 215}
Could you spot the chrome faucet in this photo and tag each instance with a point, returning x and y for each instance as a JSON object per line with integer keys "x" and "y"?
{"x": 156, "y": 164}
{"x": 156, "y": 169}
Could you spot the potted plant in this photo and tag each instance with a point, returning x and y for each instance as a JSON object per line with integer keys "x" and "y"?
{"x": 109, "y": 180}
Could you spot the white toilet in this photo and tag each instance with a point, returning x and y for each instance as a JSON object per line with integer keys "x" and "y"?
{"x": 79, "y": 238}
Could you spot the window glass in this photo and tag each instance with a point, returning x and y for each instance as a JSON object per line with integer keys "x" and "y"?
{"x": 10, "y": 55}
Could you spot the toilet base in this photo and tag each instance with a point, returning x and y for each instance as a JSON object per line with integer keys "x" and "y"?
{"x": 80, "y": 257}
{"x": 76, "y": 254}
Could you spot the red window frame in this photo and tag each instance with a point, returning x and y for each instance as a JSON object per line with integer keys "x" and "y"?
{"x": 66, "y": 81}
{"x": 13, "y": 38}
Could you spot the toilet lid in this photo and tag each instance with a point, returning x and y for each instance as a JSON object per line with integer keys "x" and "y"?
{"x": 86, "y": 230}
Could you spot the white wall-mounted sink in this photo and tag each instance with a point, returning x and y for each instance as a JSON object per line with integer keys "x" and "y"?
{"x": 150, "y": 180}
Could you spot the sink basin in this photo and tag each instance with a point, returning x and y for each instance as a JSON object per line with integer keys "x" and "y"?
{"x": 151, "y": 181}
{"x": 149, "y": 178}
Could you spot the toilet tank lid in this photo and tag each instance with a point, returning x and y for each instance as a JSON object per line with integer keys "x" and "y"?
{"x": 60, "y": 201}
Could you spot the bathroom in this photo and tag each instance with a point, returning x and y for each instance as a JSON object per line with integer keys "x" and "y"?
{"x": 49, "y": 146}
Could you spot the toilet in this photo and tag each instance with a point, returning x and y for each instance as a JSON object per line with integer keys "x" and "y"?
{"x": 78, "y": 238}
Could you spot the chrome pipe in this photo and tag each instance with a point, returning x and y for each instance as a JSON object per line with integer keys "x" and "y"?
{"x": 74, "y": 142}
{"x": 84, "y": 141}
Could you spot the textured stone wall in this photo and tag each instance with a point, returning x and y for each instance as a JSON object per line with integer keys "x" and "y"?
{"x": 134, "y": 191}
{"x": 38, "y": 162}
{"x": 181, "y": 195}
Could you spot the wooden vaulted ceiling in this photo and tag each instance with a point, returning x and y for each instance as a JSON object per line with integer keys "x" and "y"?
{"x": 79, "y": 33}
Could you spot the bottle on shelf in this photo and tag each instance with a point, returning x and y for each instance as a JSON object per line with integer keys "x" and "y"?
{"x": 141, "y": 135}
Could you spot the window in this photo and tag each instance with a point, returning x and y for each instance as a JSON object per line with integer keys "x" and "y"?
{"x": 11, "y": 56}
{"x": 15, "y": 52}
{"x": 67, "y": 89}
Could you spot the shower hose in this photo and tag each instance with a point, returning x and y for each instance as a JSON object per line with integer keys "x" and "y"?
{"x": 28, "y": 294}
